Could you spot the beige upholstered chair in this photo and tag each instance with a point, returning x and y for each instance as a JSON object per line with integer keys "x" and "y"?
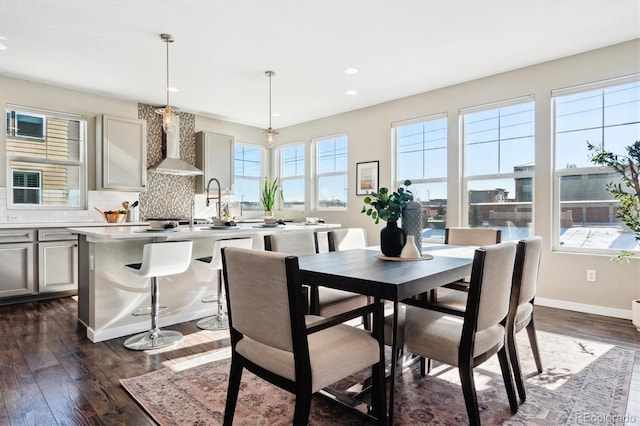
{"x": 159, "y": 260}
{"x": 465, "y": 340}
{"x": 466, "y": 237}
{"x": 326, "y": 302}
{"x": 522, "y": 302}
{"x": 347, "y": 239}
{"x": 219, "y": 321}
{"x": 272, "y": 338}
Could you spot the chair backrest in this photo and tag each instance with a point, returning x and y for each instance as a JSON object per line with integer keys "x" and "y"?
{"x": 166, "y": 258}
{"x": 491, "y": 283}
{"x": 347, "y": 239}
{"x": 529, "y": 283}
{"x": 297, "y": 243}
{"x": 216, "y": 259}
{"x": 472, "y": 236}
{"x": 264, "y": 299}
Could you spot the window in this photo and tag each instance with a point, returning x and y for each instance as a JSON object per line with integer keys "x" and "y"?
{"x": 499, "y": 142}
{"x": 247, "y": 171}
{"x": 46, "y": 156}
{"x": 605, "y": 114}
{"x": 421, "y": 156}
{"x": 292, "y": 175}
{"x": 331, "y": 172}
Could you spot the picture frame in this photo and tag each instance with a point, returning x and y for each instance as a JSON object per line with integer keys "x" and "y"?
{"x": 367, "y": 176}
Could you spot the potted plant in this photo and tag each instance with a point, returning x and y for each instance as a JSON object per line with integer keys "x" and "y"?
{"x": 270, "y": 190}
{"x": 627, "y": 192}
{"x": 388, "y": 206}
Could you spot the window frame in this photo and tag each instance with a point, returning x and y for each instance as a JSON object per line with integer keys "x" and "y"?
{"x": 594, "y": 170}
{"x": 466, "y": 179}
{"x": 259, "y": 180}
{"x": 315, "y": 143}
{"x": 29, "y": 162}
{"x": 283, "y": 179}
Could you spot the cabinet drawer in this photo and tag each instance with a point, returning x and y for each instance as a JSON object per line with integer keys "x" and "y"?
{"x": 55, "y": 234}
{"x": 16, "y": 235}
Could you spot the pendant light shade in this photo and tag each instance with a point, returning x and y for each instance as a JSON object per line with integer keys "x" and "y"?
{"x": 271, "y": 134}
{"x": 168, "y": 113}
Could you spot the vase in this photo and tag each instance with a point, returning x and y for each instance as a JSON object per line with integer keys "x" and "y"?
{"x": 410, "y": 251}
{"x": 392, "y": 239}
{"x": 412, "y": 222}
{"x": 268, "y": 214}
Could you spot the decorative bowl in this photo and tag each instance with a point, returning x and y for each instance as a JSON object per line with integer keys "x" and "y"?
{"x": 114, "y": 217}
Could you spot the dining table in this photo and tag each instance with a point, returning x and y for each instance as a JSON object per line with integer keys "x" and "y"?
{"x": 367, "y": 272}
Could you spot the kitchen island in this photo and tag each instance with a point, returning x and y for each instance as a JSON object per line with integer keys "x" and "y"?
{"x": 108, "y": 293}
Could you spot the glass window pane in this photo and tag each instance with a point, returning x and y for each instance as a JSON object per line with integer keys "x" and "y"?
{"x": 422, "y": 150}
{"x": 293, "y": 193}
{"x": 332, "y": 173}
{"x": 332, "y": 191}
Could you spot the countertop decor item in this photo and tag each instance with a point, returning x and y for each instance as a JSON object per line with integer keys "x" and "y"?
{"x": 270, "y": 191}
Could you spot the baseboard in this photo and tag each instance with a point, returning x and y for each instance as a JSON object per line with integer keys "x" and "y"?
{"x": 581, "y": 307}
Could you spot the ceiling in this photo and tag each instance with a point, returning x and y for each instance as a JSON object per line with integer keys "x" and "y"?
{"x": 223, "y": 48}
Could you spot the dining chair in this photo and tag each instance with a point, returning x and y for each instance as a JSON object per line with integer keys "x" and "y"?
{"x": 466, "y": 237}
{"x": 272, "y": 337}
{"x": 347, "y": 239}
{"x": 324, "y": 301}
{"x": 522, "y": 304}
{"x": 467, "y": 339}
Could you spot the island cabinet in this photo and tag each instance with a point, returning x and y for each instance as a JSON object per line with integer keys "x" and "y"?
{"x": 121, "y": 153}
{"x": 214, "y": 156}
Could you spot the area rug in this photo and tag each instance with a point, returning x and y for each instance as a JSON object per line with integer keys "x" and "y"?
{"x": 582, "y": 381}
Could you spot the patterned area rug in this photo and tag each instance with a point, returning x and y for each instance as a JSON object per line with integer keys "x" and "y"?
{"x": 582, "y": 380}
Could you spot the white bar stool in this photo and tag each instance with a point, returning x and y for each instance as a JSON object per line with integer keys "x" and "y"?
{"x": 220, "y": 321}
{"x": 159, "y": 260}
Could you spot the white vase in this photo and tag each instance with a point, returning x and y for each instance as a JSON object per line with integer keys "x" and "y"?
{"x": 410, "y": 251}
{"x": 635, "y": 313}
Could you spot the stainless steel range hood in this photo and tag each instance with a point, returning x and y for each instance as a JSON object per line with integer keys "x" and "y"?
{"x": 173, "y": 165}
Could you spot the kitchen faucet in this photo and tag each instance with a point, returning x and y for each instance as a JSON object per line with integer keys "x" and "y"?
{"x": 219, "y": 195}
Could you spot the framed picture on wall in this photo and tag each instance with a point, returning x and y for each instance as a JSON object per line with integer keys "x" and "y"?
{"x": 367, "y": 177}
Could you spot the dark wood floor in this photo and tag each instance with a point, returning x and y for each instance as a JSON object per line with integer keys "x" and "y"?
{"x": 50, "y": 373}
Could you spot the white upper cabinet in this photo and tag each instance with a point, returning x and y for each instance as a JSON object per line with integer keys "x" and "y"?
{"x": 214, "y": 156}
{"x": 121, "y": 153}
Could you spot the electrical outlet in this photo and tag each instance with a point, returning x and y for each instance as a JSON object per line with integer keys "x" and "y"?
{"x": 12, "y": 218}
{"x": 591, "y": 275}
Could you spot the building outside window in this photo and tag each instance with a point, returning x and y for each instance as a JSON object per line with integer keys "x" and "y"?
{"x": 331, "y": 172}
{"x": 499, "y": 161}
{"x": 46, "y": 158}
{"x": 292, "y": 175}
{"x": 421, "y": 156}
{"x": 605, "y": 114}
{"x": 247, "y": 179}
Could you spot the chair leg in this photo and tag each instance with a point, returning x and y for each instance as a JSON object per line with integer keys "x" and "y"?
{"x": 422, "y": 366}
{"x": 515, "y": 364}
{"x": 469, "y": 392}
{"x": 533, "y": 341}
{"x": 508, "y": 379}
{"x": 302, "y": 407}
{"x": 235, "y": 375}
{"x": 379, "y": 392}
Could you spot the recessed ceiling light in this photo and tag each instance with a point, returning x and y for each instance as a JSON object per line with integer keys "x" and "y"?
{"x": 351, "y": 92}
{"x": 3, "y": 47}
{"x": 275, "y": 114}
{"x": 351, "y": 71}
{"x": 172, "y": 89}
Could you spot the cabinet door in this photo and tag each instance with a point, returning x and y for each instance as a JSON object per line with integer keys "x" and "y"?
{"x": 214, "y": 156}
{"x": 16, "y": 269}
{"x": 57, "y": 266}
{"x": 121, "y": 153}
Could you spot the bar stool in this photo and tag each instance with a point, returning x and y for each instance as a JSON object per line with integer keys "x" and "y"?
{"x": 159, "y": 260}
{"x": 220, "y": 321}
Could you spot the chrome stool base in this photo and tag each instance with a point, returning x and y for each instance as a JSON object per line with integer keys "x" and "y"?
{"x": 140, "y": 312}
{"x": 152, "y": 340}
{"x": 214, "y": 323}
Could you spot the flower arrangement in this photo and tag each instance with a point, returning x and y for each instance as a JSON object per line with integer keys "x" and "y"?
{"x": 387, "y": 205}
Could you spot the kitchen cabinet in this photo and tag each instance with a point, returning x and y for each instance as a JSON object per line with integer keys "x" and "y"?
{"x": 17, "y": 265}
{"x": 121, "y": 153}
{"x": 214, "y": 156}
{"x": 57, "y": 260}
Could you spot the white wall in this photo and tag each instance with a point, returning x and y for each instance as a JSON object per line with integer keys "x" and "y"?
{"x": 563, "y": 275}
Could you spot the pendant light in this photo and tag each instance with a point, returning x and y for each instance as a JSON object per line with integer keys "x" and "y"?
{"x": 168, "y": 112}
{"x": 270, "y": 132}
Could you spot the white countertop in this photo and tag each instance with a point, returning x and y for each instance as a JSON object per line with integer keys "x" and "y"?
{"x": 66, "y": 225}
{"x": 144, "y": 232}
